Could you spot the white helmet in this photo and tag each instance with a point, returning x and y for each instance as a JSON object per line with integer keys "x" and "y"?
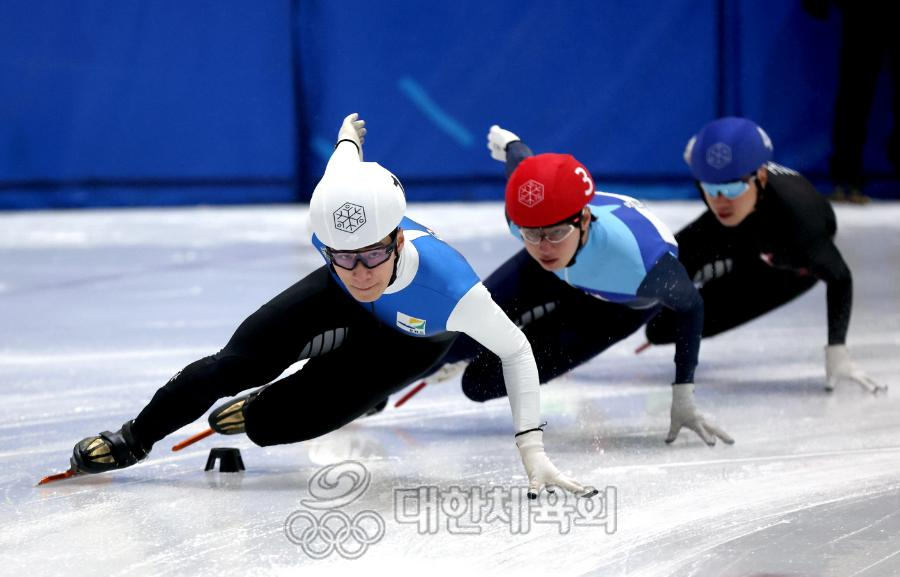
{"x": 356, "y": 205}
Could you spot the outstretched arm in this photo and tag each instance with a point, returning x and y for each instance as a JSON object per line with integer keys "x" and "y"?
{"x": 828, "y": 265}
{"x": 481, "y": 318}
{"x": 506, "y": 147}
{"x": 668, "y": 283}
{"x": 348, "y": 148}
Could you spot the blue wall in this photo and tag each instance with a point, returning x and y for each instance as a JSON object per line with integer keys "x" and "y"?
{"x": 170, "y": 102}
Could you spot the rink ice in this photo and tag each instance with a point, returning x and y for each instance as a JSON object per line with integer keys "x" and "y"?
{"x": 100, "y": 308}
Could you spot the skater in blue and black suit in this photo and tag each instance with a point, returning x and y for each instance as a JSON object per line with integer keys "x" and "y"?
{"x": 594, "y": 269}
{"x": 383, "y": 310}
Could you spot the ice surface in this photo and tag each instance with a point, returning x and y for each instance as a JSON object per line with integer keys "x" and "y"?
{"x": 100, "y": 308}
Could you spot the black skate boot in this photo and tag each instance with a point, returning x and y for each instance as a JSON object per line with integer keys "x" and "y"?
{"x": 108, "y": 451}
{"x": 228, "y": 419}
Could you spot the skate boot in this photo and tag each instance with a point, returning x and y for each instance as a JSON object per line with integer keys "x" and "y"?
{"x": 108, "y": 451}
{"x": 228, "y": 419}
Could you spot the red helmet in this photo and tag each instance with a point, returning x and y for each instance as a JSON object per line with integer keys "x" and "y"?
{"x": 547, "y": 189}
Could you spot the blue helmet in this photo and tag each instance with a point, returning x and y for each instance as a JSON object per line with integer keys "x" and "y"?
{"x": 727, "y": 149}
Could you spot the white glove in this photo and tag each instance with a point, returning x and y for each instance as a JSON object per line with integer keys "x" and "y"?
{"x": 354, "y": 130}
{"x": 684, "y": 414}
{"x": 497, "y": 140}
{"x": 541, "y": 472}
{"x": 840, "y": 367}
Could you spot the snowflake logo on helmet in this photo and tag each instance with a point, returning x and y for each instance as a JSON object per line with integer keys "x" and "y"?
{"x": 718, "y": 155}
{"x": 349, "y": 217}
{"x": 531, "y": 193}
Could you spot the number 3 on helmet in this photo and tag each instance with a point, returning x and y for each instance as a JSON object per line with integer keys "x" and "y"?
{"x": 547, "y": 189}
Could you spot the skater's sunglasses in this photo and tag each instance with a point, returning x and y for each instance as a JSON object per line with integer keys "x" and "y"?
{"x": 370, "y": 258}
{"x": 553, "y": 234}
{"x": 730, "y": 190}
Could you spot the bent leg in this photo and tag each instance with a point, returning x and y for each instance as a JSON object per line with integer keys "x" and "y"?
{"x": 578, "y": 330}
{"x": 193, "y": 391}
{"x": 335, "y": 389}
{"x": 735, "y": 299}
{"x": 306, "y": 319}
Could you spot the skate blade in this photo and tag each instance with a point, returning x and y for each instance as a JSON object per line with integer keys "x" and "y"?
{"x": 58, "y": 477}
{"x": 410, "y": 394}
{"x": 191, "y": 440}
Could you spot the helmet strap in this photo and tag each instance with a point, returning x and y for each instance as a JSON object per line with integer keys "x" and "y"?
{"x": 396, "y": 258}
{"x": 581, "y": 234}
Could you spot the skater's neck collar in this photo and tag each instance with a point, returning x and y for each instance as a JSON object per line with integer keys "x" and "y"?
{"x": 407, "y": 263}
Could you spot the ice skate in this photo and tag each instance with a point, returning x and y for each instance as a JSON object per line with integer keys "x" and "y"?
{"x": 107, "y": 451}
{"x": 228, "y": 419}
